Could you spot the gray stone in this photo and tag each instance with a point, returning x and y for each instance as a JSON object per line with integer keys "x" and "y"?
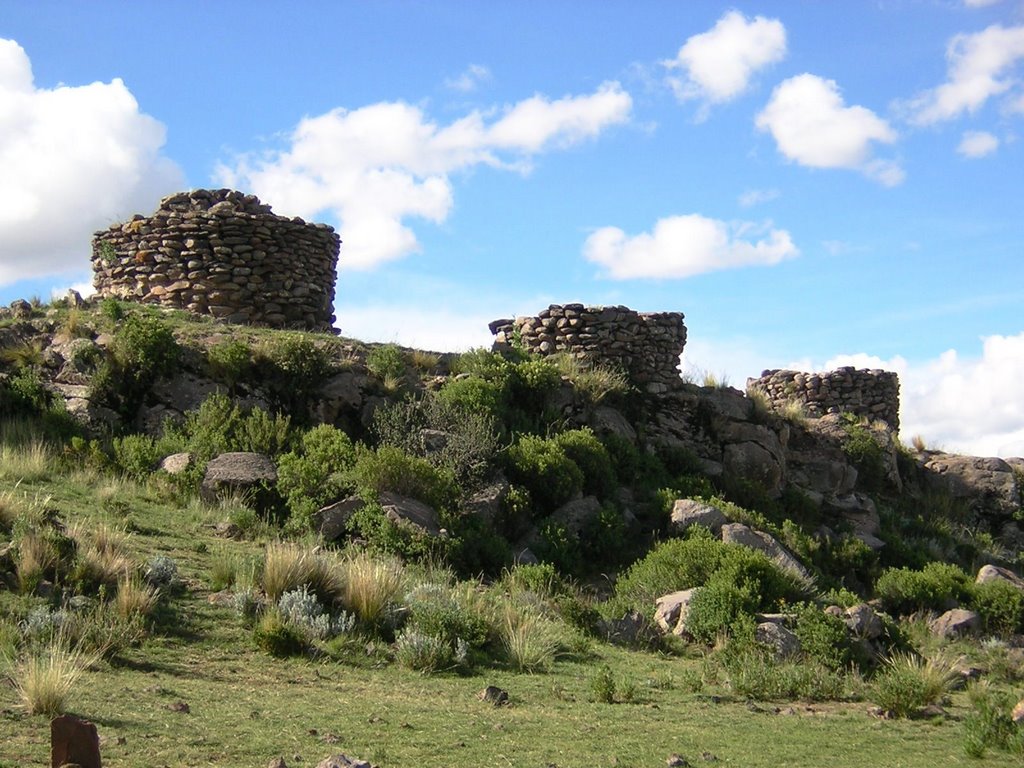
{"x": 605, "y": 420}
{"x": 863, "y": 622}
{"x": 21, "y": 309}
{"x": 237, "y": 472}
{"x": 987, "y": 484}
{"x": 74, "y": 741}
{"x": 993, "y": 573}
{"x": 577, "y": 515}
{"x": 956, "y": 622}
{"x": 332, "y": 520}
{"x": 671, "y": 610}
{"x": 737, "y": 533}
{"x": 489, "y": 502}
{"x": 342, "y": 761}
{"x": 783, "y": 642}
{"x": 410, "y": 512}
{"x": 176, "y": 463}
{"x": 690, "y": 512}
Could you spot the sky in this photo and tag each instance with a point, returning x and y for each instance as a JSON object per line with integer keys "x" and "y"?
{"x": 812, "y": 183}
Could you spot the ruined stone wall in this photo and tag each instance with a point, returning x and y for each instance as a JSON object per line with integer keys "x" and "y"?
{"x": 873, "y": 393}
{"x": 646, "y": 346}
{"x": 225, "y": 254}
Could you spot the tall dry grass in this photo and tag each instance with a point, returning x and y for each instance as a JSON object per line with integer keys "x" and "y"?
{"x": 371, "y": 584}
{"x": 43, "y": 679}
{"x": 288, "y": 566}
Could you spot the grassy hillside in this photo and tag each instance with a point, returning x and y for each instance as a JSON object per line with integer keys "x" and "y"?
{"x": 229, "y": 631}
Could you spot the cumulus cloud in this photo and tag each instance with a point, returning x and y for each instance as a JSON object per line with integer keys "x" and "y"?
{"x": 753, "y": 197}
{"x": 980, "y": 3}
{"x": 377, "y": 166}
{"x": 74, "y": 159}
{"x": 683, "y": 246}
{"x": 977, "y": 144}
{"x": 717, "y": 66}
{"x": 812, "y": 126}
{"x": 979, "y": 66}
{"x": 470, "y": 79}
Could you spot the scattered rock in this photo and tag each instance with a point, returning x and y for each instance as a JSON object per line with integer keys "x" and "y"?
{"x": 237, "y": 472}
{"x": 277, "y": 762}
{"x": 180, "y": 707}
{"x": 332, "y": 520}
{"x": 677, "y": 761}
{"x": 863, "y": 622}
{"x": 342, "y": 761}
{"x": 176, "y": 463}
{"x": 671, "y": 610}
{"x": 1018, "y": 713}
{"x": 410, "y": 512}
{"x": 21, "y": 309}
{"x": 957, "y": 621}
{"x": 993, "y": 573}
{"x": 784, "y": 642}
{"x": 690, "y": 512}
{"x": 492, "y": 694}
{"x": 737, "y": 533}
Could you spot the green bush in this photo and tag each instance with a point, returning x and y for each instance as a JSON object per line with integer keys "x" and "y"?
{"x": 392, "y": 469}
{"x": 936, "y": 587}
{"x": 907, "y": 682}
{"x": 386, "y": 362}
{"x": 590, "y": 455}
{"x": 865, "y": 451}
{"x": 278, "y": 637}
{"x": 1000, "y": 605}
{"x": 715, "y": 607}
{"x": 314, "y": 474}
{"x": 135, "y": 455}
{"x": 383, "y": 535}
{"x": 473, "y": 395}
{"x": 294, "y": 367}
{"x": 230, "y": 362}
{"x": 755, "y": 675}
{"x": 989, "y": 726}
{"x": 542, "y": 467}
{"x": 434, "y": 610}
{"x": 142, "y": 351}
{"x": 824, "y": 637}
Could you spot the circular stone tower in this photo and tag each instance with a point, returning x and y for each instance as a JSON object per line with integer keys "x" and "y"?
{"x": 225, "y": 254}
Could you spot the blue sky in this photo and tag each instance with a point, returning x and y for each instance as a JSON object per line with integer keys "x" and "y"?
{"x": 811, "y": 183}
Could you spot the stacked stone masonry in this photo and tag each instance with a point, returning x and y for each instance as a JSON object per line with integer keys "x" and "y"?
{"x": 871, "y": 393}
{"x": 646, "y": 346}
{"x": 225, "y": 254}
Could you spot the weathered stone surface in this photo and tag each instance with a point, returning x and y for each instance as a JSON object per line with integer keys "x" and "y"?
{"x": 737, "y": 533}
{"x": 577, "y": 515}
{"x": 332, "y": 520}
{"x": 74, "y": 741}
{"x": 494, "y": 695}
{"x": 860, "y": 512}
{"x": 176, "y": 463}
{"x": 405, "y": 511}
{"x": 988, "y": 484}
{"x": 783, "y": 642}
{"x": 1017, "y": 715}
{"x": 340, "y": 393}
{"x": 488, "y": 503}
{"x": 754, "y": 462}
{"x": 21, "y": 309}
{"x": 689, "y": 512}
{"x": 957, "y": 621}
{"x": 671, "y": 610}
{"x": 632, "y": 628}
{"x": 237, "y": 472}
{"x": 863, "y": 622}
{"x": 605, "y": 420}
{"x": 993, "y": 573}
{"x": 225, "y": 254}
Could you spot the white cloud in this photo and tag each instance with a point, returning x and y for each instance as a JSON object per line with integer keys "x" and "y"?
{"x": 683, "y": 246}
{"x": 812, "y": 126}
{"x": 469, "y": 80}
{"x": 977, "y": 144}
{"x": 752, "y": 197}
{"x": 376, "y": 166}
{"x": 980, "y": 3}
{"x": 74, "y": 159}
{"x": 979, "y": 66}
{"x": 717, "y": 65}
{"x": 427, "y": 327}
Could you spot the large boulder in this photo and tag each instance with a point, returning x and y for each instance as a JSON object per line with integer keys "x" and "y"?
{"x": 988, "y": 485}
{"x": 783, "y": 642}
{"x": 863, "y": 622}
{"x": 737, "y": 533}
{"x": 412, "y": 513}
{"x": 689, "y": 512}
{"x": 332, "y": 521}
{"x": 577, "y": 515}
{"x": 488, "y": 503}
{"x": 860, "y": 512}
{"x": 753, "y": 452}
{"x": 993, "y": 573}
{"x": 956, "y": 622}
{"x": 342, "y": 393}
{"x": 237, "y": 472}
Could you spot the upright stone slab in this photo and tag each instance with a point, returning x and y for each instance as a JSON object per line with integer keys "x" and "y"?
{"x": 74, "y": 741}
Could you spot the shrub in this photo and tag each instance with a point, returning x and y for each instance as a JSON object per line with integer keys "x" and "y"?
{"x": 935, "y": 587}
{"x": 542, "y": 467}
{"x": 715, "y": 607}
{"x": 135, "y": 455}
{"x": 440, "y": 632}
{"x": 473, "y": 395}
{"x": 865, "y": 451}
{"x": 907, "y": 682}
{"x": 143, "y": 350}
{"x": 301, "y": 608}
{"x": 590, "y": 455}
{"x": 230, "y": 362}
{"x": 988, "y": 725}
{"x": 315, "y": 471}
{"x": 162, "y": 573}
{"x": 134, "y": 597}
{"x": 755, "y": 675}
{"x": 1000, "y": 605}
{"x": 426, "y": 653}
{"x": 824, "y": 637}
{"x": 392, "y": 469}
{"x": 386, "y": 361}
{"x": 605, "y": 688}
{"x": 293, "y": 367}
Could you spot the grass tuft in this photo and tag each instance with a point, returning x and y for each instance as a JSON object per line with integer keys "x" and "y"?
{"x": 44, "y": 679}
{"x": 371, "y": 585}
